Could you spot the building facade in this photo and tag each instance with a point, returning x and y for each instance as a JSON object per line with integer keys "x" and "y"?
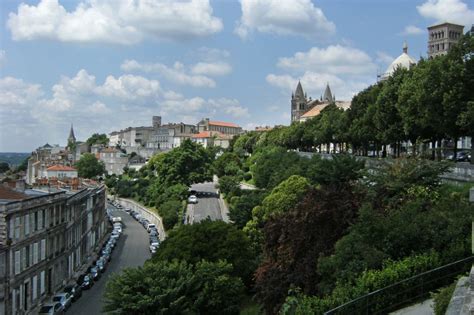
{"x": 442, "y": 37}
{"x": 114, "y": 160}
{"x": 223, "y": 127}
{"x": 45, "y": 239}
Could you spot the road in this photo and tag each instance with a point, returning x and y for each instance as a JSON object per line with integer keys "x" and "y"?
{"x": 208, "y": 203}
{"x": 131, "y": 251}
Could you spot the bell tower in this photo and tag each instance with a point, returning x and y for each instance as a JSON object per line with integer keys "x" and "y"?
{"x": 299, "y": 103}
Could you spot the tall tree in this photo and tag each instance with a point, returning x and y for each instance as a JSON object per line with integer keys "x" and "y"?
{"x": 98, "y": 139}
{"x": 89, "y": 167}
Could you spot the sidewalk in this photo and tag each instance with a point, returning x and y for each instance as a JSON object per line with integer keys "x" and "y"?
{"x": 423, "y": 308}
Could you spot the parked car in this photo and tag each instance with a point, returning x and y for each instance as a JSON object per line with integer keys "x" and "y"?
{"x": 156, "y": 244}
{"x": 64, "y": 298}
{"x": 116, "y": 219}
{"x": 75, "y": 290}
{"x": 101, "y": 264}
{"x": 85, "y": 282}
{"x": 118, "y": 229}
{"x": 463, "y": 157}
{"x": 152, "y": 249}
{"x": 154, "y": 233}
{"x": 192, "y": 199}
{"x": 95, "y": 274}
{"x": 150, "y": 226}
{"x": 52, "y": 309}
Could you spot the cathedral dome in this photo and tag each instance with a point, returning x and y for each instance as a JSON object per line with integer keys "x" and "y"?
{"x": 404, "y": 60}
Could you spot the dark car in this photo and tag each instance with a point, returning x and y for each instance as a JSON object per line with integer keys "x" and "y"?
{"x": 85, "y": 281}
{"x": 52, "y": 309}
{"x": 75, "y": 290}
{"x": 101, "y": 264}
{"x": 463, "y": 157}
{"x": 154, "y": 233}
{"x": 154, "y": 239}
{"x": 95, "y": 274}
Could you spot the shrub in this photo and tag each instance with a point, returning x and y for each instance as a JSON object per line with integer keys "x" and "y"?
{"x": 442, "y": 297}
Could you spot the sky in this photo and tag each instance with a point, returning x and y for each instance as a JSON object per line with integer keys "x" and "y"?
{"x": 104, "y": 65}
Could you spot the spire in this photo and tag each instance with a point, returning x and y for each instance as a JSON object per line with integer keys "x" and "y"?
{"x": 405, "y": 47}
{"x": 71, "y": 135}
{"x": 327, "y": 94}
{"x": 299, "y": 91}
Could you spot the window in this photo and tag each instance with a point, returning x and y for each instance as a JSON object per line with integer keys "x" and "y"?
{"x": 27, "y": 224}
{"x": 35, "y": 253}
{"x": 27, "y": 256}
{"x": 42, "y": 282}
{"x": 17, "y": 227}
{"x": 23, "y": 258}
{"x": 35, "y": 225}
{"x": 17, "y": 262}
{"x": 43, "y": 249}
{"x": 34, "y": 287}
{"x": 41, "y": 219}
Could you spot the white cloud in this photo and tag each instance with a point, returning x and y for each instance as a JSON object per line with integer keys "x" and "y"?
{"x": 333, "y": 59}
{"x": 114, "y": 21}
{"x": 212, "y": 54}
{"x": 454, "y": 11}
{"x": 283, "y": 17}
{"x": 179, "y": 74}
{"x": 231, "y": 107}
{"x": 212, "y": 68}
{"x": 412, "y": 30}
{"x": 15, "y": 94}
{"x": 129, "y": 87}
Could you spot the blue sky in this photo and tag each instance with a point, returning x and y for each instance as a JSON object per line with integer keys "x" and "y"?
{"x": 105, "y": 65}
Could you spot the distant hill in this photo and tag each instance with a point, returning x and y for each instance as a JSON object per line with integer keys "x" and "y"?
{"x": 13, "y": 158}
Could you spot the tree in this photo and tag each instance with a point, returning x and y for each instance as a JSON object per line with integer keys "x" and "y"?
{"x": 240, "y": 211}
{"x": 169, "y": 211}
{"x": 229, "y": 185}
{"x": 4, "y": 167}
{"x": 295, "y": 239}
{"x": 98, "y": 139}
{"x": 174, "y": 287}
{"x": 89, "y": 167}
{"x": 211, "y": 241}
{"x": 227, "y": 164}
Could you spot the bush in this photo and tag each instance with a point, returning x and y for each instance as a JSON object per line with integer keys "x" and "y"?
{"x": 169, "y": 212}
{"x": 442, "y": 297}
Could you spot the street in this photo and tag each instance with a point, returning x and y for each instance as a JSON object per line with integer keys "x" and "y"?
{"x": 131, "y": 251}
{"x": 208, "y": 203}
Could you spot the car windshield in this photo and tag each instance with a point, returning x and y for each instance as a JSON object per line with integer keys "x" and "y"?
{"x": 57, "y": 299}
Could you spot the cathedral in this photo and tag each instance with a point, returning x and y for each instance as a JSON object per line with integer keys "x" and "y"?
{"x": 303, "y": 108}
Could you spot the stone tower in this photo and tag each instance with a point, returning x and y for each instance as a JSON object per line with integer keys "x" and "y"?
{"x": 156, "y": 122}
{"x": 299, "y": 103}
{"x": 442, "y": 37}
{"x": 71, "y": 138}
{"x": 328, "y": 97}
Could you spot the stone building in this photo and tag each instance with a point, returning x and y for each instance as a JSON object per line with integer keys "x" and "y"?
{"x": 169, "y": 136}
{"x": 404, "y": 61}
{"x": 223, "y": 127}
{"x": 114, "y": 160}
{"x": 45, "y": 240}
{"x": 304, "y": 108}
{"x": 441, "y": 37}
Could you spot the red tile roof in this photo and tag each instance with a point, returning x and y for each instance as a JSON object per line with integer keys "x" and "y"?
{"x": 202, "y": 134}
{"x": 223, "y": 124}
{"x": 62, "y": 168}
{"x": 10, "y": 194}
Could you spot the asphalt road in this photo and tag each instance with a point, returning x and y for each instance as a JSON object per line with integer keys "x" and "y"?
{"x": 208, "y": 203}
{"x": 131, "y": 251}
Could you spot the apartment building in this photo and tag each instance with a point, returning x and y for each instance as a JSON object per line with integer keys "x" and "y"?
{"x": 45, "y": 239}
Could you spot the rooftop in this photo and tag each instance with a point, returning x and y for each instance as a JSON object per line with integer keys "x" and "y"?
{"x": 223, "y": 124}
{"x": 62, "y": 168}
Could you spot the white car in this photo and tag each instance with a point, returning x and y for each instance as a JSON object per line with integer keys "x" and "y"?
{"x": 152, "y": 249}
{"x": 116, "y": 219}
{"x": 192, "y": 199}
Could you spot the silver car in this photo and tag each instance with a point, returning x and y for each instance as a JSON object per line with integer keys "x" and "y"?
{"x": 52, "y": 309}
{"x": 64, "y": 298}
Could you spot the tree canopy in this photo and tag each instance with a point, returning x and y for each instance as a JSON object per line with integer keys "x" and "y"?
{"x": 89, "y": 167}
{"x": 98, "y": 139}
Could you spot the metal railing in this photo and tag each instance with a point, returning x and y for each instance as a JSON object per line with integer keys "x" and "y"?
{"x": 404, "y": 292}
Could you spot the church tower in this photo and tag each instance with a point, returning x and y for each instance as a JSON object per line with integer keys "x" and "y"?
{"x": 71, "y": 140}
{"x": 298, "y": 103}
{"x": 328, "y": 97}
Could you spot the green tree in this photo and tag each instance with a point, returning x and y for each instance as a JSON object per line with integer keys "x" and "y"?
{"x": 169, "y": 212}
{"x": 229, "y": 185}
{"x": 240, "y": 211}
{"x": 98, "y": 139}
{"x": 227, "y": 164}
{"x": 211, "y": 241}
{"x": 174, "y": 287}
{"x": 4, "y": 167}
{"x": 89, "y": 167}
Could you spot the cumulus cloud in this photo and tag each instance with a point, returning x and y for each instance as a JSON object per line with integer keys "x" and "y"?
{"x": 81, "y": 100}
{"x": 212, "y": 68}
{"x": 212, "y": 54}
{"x": 454, "y": 11}
{"x": 334, "y": 59}
{"x": 412, "y": 30}
{"x": 114, "y": 21}
{"x": 197, "y": 75}
{"x": 283, "y": 17}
